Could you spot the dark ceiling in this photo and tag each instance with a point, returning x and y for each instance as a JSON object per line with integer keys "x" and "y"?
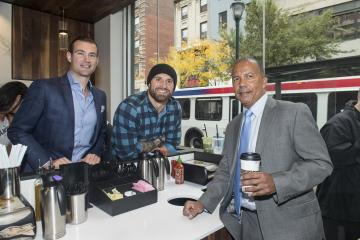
{"x": 89, "y": 11}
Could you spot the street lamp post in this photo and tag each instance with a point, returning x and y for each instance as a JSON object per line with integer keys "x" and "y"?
{"x": 238, "y": 9}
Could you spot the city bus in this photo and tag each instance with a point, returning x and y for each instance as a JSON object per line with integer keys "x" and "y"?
{"x": 207, "y": 110}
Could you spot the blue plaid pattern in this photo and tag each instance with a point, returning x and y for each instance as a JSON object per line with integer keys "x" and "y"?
{"x": 137, "y": 120}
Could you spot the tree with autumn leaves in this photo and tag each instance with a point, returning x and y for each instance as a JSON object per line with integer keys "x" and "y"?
{"x": 289, "y": 40}
{"x": 205, "y": 62}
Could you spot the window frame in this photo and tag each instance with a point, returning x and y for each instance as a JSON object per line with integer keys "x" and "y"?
{"x": 203, "y": 35}
{"x": 217, "y": 114}
{"x": 184, "y": 16}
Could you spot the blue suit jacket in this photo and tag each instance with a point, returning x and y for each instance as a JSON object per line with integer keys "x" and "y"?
{"x": 45, "y": 122}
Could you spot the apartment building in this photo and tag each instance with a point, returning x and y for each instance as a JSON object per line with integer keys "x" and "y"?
{"x": 201, "y": 19}
{"x": 153, "y": 36}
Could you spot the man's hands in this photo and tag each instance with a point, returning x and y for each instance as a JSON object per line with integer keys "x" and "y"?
{"x": 150, "y": 145}
{"x": 257, "y": 184}
{"x": 192, "y": 208}
{"x": 163, "y": 150}
{"x": 91, "y": 159}
{"x": 60, "y": 161}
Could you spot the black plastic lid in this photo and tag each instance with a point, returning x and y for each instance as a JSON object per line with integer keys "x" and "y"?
{"x": 250, "y": 156}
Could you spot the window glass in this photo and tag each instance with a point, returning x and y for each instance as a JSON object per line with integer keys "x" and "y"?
{"x": 309, "y": 99}
{"x": 136, "y": 46}
{"x": 184, "y": 12}
{"x": 203, "y": 30}
{"x": 223, "y": 20}
{"x": 208, "y": 109}
{"x": 337, "y": 101}
{"x": 203, "y": 6}
{"x": 185, "y": 107}
{"x": 234, "y": 107}
{"x": 347, "y": 25}
{"x": 184, "y": 34}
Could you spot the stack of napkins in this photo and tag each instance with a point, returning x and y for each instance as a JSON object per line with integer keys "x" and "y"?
{"x": 14, "y": 159}
{"x": 142, "y": 186}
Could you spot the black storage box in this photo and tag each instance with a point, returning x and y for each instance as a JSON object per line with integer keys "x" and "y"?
{"x": 198, "y": 173}
{"x": 99, "y": 198}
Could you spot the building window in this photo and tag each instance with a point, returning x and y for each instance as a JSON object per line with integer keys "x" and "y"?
{"x": 136, "y": 70}
{"x": 184, "y": 12}
{"x": 203, "y": 6}
{"x": 184, "y": 35}
{"x": 223, "y": 20}
{"x": 348, "y": 25}
{"x": 136, "y": 47}
{"x": 137, "y": 21}
{"x": 203, "y": 30}
{"x": 137, "y": 27}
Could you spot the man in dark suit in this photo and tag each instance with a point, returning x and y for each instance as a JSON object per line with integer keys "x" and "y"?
{"x": 64, "y": 118}
{"x": 339, "y": 194}
{"x": 278, "y": 202}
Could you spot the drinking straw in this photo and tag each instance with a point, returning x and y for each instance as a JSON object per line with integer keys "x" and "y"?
{"x": 205, "y": 130}
{"x": 217, "y": 132}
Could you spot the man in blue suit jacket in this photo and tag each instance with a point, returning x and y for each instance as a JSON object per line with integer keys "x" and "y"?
{"x": 63, "y": 118}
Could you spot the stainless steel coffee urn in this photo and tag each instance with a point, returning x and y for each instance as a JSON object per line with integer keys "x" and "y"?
{"x": 53, "y": 207}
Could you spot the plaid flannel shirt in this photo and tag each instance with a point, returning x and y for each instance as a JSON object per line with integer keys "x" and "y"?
{"x": 137, "y": 120}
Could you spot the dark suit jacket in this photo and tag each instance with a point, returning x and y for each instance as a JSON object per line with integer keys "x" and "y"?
{"x": 294, "y": 153}
{"x": 45, "y": 122}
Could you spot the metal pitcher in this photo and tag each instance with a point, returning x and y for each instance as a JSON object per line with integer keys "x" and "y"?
{"x": 164, "y": 165}
{"x": 149, "y": 168}
{"x": 53, "y": 208}
{"x": 9, "y": 183}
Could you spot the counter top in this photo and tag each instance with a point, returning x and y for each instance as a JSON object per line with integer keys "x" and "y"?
{"x": 158, "y": 221}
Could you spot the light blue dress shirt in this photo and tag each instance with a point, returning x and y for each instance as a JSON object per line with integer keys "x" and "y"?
{"x": 85, "y": 118}
{"x": 257, "y": 109}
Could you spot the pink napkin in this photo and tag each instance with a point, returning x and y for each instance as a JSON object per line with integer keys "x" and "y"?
{"x": 142, "y": 186}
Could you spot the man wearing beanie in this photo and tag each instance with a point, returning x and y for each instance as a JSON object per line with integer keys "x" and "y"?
{"x": 148, "y": 120}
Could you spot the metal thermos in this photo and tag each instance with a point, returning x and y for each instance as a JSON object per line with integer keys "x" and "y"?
{"x": 9, "y": 183}
{"x": 149, "y": 168}
{"x": 164, "y": 165}
{"x": 53, "y": 207}
{"x": 77, "y": 208}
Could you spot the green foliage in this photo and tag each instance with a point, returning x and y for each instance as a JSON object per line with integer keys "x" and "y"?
{"x": 289, "y": 39}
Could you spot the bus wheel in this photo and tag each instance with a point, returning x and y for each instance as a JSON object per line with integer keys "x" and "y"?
{"x": 195, "y": 140}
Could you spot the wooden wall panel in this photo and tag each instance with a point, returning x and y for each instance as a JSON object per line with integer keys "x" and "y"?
{"x": 35, "y": 45}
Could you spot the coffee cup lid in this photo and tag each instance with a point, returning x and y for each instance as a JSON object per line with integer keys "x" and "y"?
{"x": 250, "y": 156}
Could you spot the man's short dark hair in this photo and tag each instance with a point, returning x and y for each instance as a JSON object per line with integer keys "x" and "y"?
{"x": 8, "y": 93}
{"x": 82, "y": 39}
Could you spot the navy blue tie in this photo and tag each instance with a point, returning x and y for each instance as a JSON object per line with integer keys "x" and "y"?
{"x": 243, "y": 147}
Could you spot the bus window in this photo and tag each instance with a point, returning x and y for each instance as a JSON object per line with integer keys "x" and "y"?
{"x": 234, "y": 107}
{"x": 337, "y": 100}
{"x": 309, "y": 99}
{"x": 185, "y": 107}
{"x": 208, "y": 109}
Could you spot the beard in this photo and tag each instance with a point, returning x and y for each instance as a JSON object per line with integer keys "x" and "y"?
{"x": 160, "y": 97}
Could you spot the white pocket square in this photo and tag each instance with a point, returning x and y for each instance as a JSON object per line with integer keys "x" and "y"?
{"x": 102, "y": 109}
